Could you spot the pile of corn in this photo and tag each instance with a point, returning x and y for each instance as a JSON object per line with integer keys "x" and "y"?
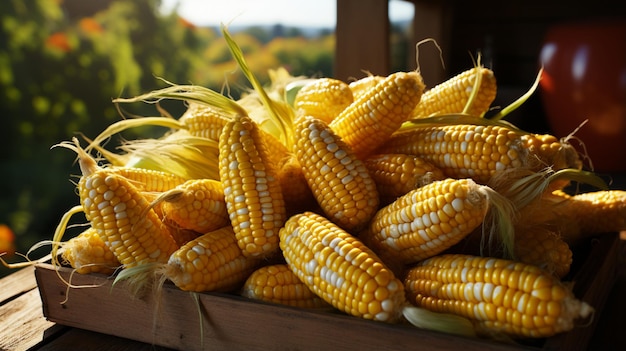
{"x": 378, "y": 197}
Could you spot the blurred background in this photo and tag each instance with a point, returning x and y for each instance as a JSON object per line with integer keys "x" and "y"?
{"x": 63, "y": 61}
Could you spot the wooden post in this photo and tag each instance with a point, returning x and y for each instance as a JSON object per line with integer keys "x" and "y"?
{"x": 431, "y": 20}
{"x": 362, "y": 38}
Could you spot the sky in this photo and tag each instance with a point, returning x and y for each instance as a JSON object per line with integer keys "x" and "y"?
{"x": 302, "y": 13}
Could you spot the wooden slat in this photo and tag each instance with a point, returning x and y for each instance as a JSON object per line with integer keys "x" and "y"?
{"x": 80, "y": 339}
{"x": 17, "y": 283}
{"x": 22, "y": 322}
{"x": 362, "y": 38}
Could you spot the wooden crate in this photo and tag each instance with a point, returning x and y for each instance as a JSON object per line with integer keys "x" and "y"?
{"x": 231, "y": 322}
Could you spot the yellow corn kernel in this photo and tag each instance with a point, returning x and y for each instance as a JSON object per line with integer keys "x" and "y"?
{"x": 252, "y": 192}
{"x": 369, "y": 121}
{"x": 120, "y": 214}
{"x": 122, "y": 217}
{"x": 543, "y": 247}
{"x": 197, "y": 204}
{"x": 277, "y": 152}
{"x": 361, "y": 86}
{"x": 278, "y": 284}
{"x": 211, "y": 262}
{"x": 296, "y": 191}
{"x": 599, "y": 211}
{"x": 339, "y": 181}
{"x": 87, "y": 253}
{"x": 148, "y": 180}
{"x": 500, "y": 296}
{"x": 204, "y": 121}
{"x": 462, "y": 151}
{"x": 551, "y": 152}
{"x": 576, "y": 217}
{"x": 345, "y": 273}
{"x": 465, "y": 150}
{"x": 397, "y": 174}
{"x": 428, "y": 220}
{"x": 323, "y": 98}
{"x": 321, "y": 255}
{"x": 452, "y": 96}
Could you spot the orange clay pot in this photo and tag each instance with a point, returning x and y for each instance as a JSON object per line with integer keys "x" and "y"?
{"x": 585, "y": 79}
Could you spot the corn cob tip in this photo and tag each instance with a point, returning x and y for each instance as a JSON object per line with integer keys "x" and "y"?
{"x": 210, "y": 262}
{"x": 88, "y": 164}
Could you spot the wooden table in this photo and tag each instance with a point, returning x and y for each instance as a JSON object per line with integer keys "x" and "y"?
{"x": 24, "y": 327}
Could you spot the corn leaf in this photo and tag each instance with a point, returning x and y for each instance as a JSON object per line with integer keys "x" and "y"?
{"x": 517, "y": 103}
{"x": 280, "y": 114}
{"x": 456, "y": 119}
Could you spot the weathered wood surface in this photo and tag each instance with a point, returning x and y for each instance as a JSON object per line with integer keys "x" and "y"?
{"x": 23, "y": 324}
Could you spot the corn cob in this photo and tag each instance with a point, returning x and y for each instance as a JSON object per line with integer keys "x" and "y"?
{"x": 277, "y": 152}
{"x": 254, "y": 200}
{"x": 117, "y": 210}
{"x": 579, "y": 216}
{"x": 147, "y": 180}
{"x": 500, "y": 296}
{"x": 361, "y": 86}
{"x": 369, "y": 121}
{"x": 278, "y": 284}
{"x": 345, "y": 273}
{"x": 323, "y": 98}
{"x": 477, "y": 151}
{"x": 552, "y": 152}
{"x": 339, "y": 181}
{"x": 545, "y": 248}
{"x": 211, "y": 262}
{"x": 433, "y": 218}
{"x": 294, "y": 186}
{"x": 87, "y": 253}
{"x": 539, "y": 245}
{"x": 453, "y": 95}
{"x": 204, "y": 121}
{"x": 197, "y": 204}
{"x": 329, "y": 261}
{"x": 397, "y": 174}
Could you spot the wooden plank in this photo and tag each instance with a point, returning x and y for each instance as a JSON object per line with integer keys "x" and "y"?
{"x": 23, "y": 324}
{"x": 362, "y": 38}
{"x": 17, "y": 283}
{"x": 80, "y": 339}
